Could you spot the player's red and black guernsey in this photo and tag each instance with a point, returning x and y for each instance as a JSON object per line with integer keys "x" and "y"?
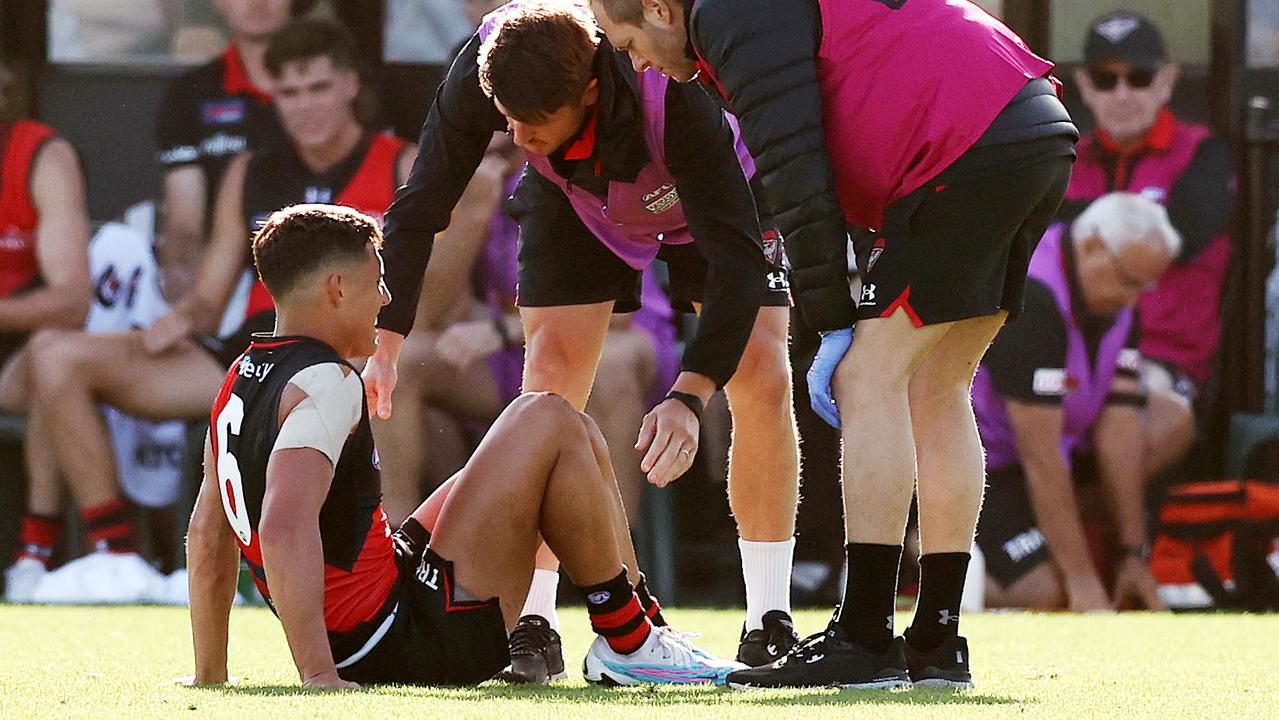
{"x": 277, "y": 178}
{"x": 211, "y": 114}
{"x": 609, "y": 154}
{"x": 360, "y": 572}
{"x": 20, "y": 144}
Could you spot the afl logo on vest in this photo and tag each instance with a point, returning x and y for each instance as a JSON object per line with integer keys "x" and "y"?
{"x": 661, "y": 199}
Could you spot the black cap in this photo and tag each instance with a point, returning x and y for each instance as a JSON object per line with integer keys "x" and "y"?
{"x": 1125, "y": 36}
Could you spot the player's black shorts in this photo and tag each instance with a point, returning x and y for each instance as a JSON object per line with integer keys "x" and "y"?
{"x": 1007, "y": 531}
{"x": 959, "y": 246}
{"x": 437, "y": 637}
{"x": 562, "y": 263}
{"x": 226, "y": 349}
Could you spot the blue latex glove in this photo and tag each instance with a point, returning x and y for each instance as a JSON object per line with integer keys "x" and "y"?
{"x": 834, "y": 346}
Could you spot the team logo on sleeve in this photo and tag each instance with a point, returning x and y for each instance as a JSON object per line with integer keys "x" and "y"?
{"x": 1053, "y": 382}
{"x": 772, "y": 242}
{"x": 222, "y": 112}
{"x": 1129, "y": 359}
{"x": 662, "y": 199}
{"x": 875, "y": 252}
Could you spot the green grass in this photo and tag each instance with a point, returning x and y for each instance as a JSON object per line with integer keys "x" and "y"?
{"x": 114, "y": 663}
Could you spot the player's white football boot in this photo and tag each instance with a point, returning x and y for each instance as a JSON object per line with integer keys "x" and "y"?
{"x": 101, "y": 578}
{"x": 667, "y": 657}
{"x": 21, "y": 579}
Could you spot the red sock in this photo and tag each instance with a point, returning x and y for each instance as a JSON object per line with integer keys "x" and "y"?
{"x": 616, "y": 615}
{"x": 109, "y": 526}
{"x": 39, "y": 537}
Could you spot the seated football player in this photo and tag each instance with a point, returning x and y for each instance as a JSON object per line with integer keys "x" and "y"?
{"x": 291, "y": 482}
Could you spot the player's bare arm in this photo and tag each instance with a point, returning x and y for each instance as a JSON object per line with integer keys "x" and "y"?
{"x": 62, "y": 246}
{"x": 297, "y": 483}
{"x": 183, "y": 193}
{"x": 213, "y": 566}
{"x": 223, "y": 260}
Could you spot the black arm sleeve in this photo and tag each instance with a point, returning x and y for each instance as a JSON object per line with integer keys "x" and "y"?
{"x": 457, "y": 130}
{"x": 721, "y": 216}
{"x": 1027, "y": 361}
{"x": 1200, "y": 203}
{"x": 764, "y": 55}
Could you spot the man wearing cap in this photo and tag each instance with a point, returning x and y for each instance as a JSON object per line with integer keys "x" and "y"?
{"x": 1139, "y": 146}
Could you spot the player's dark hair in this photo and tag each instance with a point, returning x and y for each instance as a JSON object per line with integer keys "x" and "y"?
{"x": 623, "y": 12}
{"x": 539, "y": 59}
{"x": 307, "y": 38}
{"x": 302, "y": 239}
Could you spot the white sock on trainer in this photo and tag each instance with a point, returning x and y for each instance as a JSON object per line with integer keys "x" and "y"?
{"x": 766, "y": 567}
{"x": 541, "y": 596}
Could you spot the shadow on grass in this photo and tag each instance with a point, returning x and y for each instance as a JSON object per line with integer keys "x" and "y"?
{"x": 653, "y": 695}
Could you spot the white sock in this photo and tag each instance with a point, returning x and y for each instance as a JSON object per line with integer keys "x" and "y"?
{"x": 541, "y": 596}
{"x": 766, "y": 567}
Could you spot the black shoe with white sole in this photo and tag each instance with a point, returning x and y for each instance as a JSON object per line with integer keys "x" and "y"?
{"x": 945, "y": 666}
{"x": 829, "y": 659}
{"x": 537, "y": 655}
{"x": 769, "y": 643}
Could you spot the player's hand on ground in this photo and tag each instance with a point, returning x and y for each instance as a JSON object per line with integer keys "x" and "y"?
{"x": 328, "y": 681}
{"x": 195, "y": 681}
{"x": 821, "y": 374}
{"x": 668, "y": 438}
{"x": 380, "y": 376}
{"x": 172, "y": 327}
{"x": 468, "y": 342}
{"x": 1087, "y": 594}
{"x": 1135, "y": 586}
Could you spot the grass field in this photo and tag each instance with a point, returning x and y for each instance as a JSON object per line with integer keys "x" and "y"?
{"x": 115, "y": 663}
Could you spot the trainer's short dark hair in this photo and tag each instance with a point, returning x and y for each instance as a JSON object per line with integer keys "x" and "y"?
{"x": 307, "y": 38}
{"x": 625, "y": 12}
{"x": 539, "y": 58}
{"x": 302, "y": 239}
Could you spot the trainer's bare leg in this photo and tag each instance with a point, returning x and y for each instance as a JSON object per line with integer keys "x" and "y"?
{"x": 538, "y": 469}
{"x": 763, "y": 461}
{"x": 871, "y": 389}
{"x": 949, "y": 458}
{"x": 78, "y": 370}
{"x": 617, "y": 404}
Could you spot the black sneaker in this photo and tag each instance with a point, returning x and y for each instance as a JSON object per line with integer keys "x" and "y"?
{"x": 828, "y": 659}
{"x": 761, "y": 647}
{"x": 945, "y": 666}
{"x": 536, "y": 653}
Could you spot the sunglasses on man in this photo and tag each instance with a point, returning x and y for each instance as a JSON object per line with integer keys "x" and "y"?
{"x": 1106, "y": 80}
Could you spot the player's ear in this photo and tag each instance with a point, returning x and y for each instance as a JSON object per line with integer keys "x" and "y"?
{"x": 592, "y": 93}
{"x": 334, "y": 288}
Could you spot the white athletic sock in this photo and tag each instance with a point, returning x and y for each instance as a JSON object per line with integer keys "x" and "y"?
{"x": 766, "y": 567}
{"x": 541, "y": 596}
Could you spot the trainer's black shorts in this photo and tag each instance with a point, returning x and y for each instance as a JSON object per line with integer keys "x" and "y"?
{"x": 226, "y": 349}
{"x": 959, "y": 246}
{"x": 562, "y": 263}
{"x": 438, "y": 637}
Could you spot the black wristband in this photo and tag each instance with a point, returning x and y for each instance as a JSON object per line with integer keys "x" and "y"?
{"x": 691, "y": 401}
